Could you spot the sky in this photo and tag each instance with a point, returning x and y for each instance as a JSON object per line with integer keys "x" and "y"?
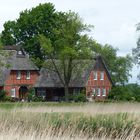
{"x": 114, "y": 20}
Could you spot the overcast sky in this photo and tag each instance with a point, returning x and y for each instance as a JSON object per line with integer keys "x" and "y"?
{"x": 114, "y": 20}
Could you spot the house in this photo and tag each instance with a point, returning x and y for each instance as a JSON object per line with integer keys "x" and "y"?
{"x": 95, "y": 80}
{"x": 20, "y": 75}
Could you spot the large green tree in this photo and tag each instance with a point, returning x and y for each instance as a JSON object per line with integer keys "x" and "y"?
{"x": 24, "y": 31}
{"x": 66, "y": 57}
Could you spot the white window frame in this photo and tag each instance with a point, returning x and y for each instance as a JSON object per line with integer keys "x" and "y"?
{"x": 98, "y": 92}
{"x": 28, "y": 75}
{"x": 19, "y": 52}
{"x": 18, "y": 74}
{"x": 102, "y": 75}
{"x": 104, "y": 92}
{"x": 13, "y": 92}
{"x": 93, "y": 92}
{"x": 95, "y": 74}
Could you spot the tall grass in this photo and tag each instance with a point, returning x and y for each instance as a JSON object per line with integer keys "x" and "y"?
{"x": 27, "y": 123}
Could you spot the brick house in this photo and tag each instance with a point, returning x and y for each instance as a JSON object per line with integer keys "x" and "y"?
{"x": 96, "y": 81}
{"x": 23, "y": 74}
{"x": 20, "y": 75}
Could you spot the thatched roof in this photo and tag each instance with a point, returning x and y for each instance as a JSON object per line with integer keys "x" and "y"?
{"x": 50, "y": 78}
{"x": 15, "y": 61}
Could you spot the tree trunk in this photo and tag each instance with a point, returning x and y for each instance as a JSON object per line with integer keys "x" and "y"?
{"x": 66, "y": 93}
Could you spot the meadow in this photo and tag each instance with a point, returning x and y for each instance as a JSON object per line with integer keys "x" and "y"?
{"x": 70, "y": 121}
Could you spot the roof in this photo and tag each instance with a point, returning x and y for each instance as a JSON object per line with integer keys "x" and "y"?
{"x": 15, "y": 61}
{"x": 21, "y": 62}
{"x": 50, "y": 78}
{"x": 12, "y": 47}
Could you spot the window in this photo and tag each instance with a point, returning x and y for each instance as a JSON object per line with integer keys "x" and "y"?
{"x": 93, "y": 92}
{"x": 103, "y": 92}
{"x": 95, "y": 75}
{"x": 101, "y": 75}
{"x": 76, "y": 91}
{"x": 18, "y": 74}
{"x": 41, "y": 92}
{"x": 28, "y": 74}
{"x": 98, "y": 92}
{"x": 19, "y": 52}
{"x": 13, "y": 92}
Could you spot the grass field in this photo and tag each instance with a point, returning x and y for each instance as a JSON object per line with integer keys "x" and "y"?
{"x": 69, "y": 121}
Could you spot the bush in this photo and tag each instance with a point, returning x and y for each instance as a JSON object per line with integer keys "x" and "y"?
{"x": 2, "y": 95}
{"x": 37, "y": 99}
{"x": 129, "y": 92}
{"x": 31, "y": 94}
{"x": 79, "y": 97}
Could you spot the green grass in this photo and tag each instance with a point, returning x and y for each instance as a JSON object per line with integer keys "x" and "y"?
{"x": 10, "y": 105}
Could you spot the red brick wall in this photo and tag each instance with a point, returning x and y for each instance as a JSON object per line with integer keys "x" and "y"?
{"x": 101, "y": 84}
{"x": 13, "y": 82}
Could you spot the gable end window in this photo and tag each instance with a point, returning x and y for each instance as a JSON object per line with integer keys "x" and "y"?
{"x": 101, "y": 75}
{"x": 95, "y": 75}
{"x": 28, "y": 75}
{"x": 18, "y": 74}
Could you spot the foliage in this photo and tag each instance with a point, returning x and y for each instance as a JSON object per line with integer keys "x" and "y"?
{"x": 78, "y": 97}
{"x": 129, "y": 92}
{"x": 31, "y": 94}
{"x": 24, "y": 31}
{"x": 119, "y": 66}
{"x": 2, "y": 95}
{"x": 66, "y": 55}
{"x": 136, "y": 51}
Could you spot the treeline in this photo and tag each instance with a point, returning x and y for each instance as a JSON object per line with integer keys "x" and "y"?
{"x": 130, "y": 92}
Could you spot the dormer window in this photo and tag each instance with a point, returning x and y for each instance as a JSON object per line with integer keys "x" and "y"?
{"x": 18, "y": 74}
{"x": 20, "y": 52}
{"x": 28, "y": 74}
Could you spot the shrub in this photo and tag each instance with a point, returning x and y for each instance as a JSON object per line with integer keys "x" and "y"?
{"x": 37, "y": 99}
{"x": 129, "y": 92}
{"x": 2, "y": 95}
{"x": 8, "y": 99}
{"x": 80, "y": 97}
{"x": 31, "y": 94}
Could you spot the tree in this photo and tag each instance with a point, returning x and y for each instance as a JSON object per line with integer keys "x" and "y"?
{"x": 67, "y": 58}
{"x": 42, "y": 19}
{"x": 3, "y": 56}
{"x": 118, "y": 66}
{"x": 136, "y": 51}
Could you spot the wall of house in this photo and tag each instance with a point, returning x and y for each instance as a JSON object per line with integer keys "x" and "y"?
{"x": 13, "y": 83}
{"x": 93, "y": 84}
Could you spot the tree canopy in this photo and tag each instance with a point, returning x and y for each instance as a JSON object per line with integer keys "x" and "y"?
{"x": 24, "y": 31}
